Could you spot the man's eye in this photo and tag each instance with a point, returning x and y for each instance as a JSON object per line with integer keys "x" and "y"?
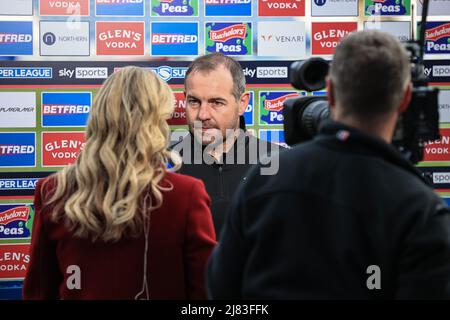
{"x": 218, "y": 103}
{"x": 193, "y": 102}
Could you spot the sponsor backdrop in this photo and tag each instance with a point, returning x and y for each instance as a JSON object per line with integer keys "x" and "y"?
{"x": 55, "y": 54}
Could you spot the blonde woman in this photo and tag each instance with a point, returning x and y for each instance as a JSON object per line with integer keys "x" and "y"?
{"x": 117, "y": 224}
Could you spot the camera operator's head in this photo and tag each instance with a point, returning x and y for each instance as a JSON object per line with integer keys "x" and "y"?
{"x": 369, "y": 82}
{"x": 215, "y": 97}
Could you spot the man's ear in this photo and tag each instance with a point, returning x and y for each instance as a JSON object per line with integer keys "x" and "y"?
{"x": 330, "y": 93}
{"x": 406, "y": 99}
{"x": 243, "y": 102}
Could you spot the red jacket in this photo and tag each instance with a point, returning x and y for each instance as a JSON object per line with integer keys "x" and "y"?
{"x": 180, "y": 241}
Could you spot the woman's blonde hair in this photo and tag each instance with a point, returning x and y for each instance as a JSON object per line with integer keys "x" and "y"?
{"x": 125, "y": 157}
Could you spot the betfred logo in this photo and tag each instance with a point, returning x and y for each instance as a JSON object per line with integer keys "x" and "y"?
{"x": 133, "y": 8}
{"x": 250, "y": 110}
{"x": 15, "y": 221}
{"x": 14, "y": 260}
{"x": 61, "y": 148}
{"x": 16, "y": 38}
{"x": 271, "y": 106}
{"x": 17, "y": 149}
{"x": 120, "y": 38}
{"x": 327, "y": 35}
{"x": 274, "y": 136}
{"x": 387, "y": 7}
{"x": 286, "y": 8}
{"x": 65, "y": 109}
{"x": 437, "y": 37}
{"x": 222, "y": 8}
{"x": 178, "y": 117}
{"x": 64, "y": 7}
{"x": 229, "y": 38}
{"x": 174, "y": 39}
{"x": 174, "y": 8}
{"x": 438, "y": 150}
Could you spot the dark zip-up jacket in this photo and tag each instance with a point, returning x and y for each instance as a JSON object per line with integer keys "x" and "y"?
{"x": 346, "y": 217}
{"x": 222, "y": 178}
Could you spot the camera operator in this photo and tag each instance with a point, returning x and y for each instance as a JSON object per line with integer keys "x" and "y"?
{"x": 346, "y": 217}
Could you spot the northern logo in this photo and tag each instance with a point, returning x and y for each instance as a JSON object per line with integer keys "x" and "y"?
{"x": 334, "y": 8}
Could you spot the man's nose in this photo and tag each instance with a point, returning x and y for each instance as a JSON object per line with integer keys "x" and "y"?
{"x": 204, "y": 113}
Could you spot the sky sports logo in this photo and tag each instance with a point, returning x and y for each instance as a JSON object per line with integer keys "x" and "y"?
{"x": 230, "y": 38}
{"x": 16, "y": 38}
{"x": 174, "y": 39}
{"x": 17, "y": 149}
{"x": 174, "y": 8}
{"x": 132, "y": 8}
{"x": 65, "y": 109}
{"x": 223, "y": 8}
{"x": 437, "y": 37}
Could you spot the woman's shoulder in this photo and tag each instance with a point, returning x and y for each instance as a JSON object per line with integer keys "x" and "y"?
{"x": 181, "y": 180}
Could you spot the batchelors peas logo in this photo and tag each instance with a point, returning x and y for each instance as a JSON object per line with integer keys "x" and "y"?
{"x": 229, "y": 38}
{"x": 387, "y": 7}
{"x": 271, "y": 106}
{"x": 437, "y": 37}
{"x": 16, "y": 221}
{"x": 186, "y": 8}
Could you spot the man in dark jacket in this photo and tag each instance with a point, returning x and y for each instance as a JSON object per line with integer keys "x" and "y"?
{"x": 346, "y": 217}
{"x": 218, "y": 150}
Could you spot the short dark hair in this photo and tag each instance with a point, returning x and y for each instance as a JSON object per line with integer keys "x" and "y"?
{"x": 211, "y": 62}
{"x": 369, "y": 71}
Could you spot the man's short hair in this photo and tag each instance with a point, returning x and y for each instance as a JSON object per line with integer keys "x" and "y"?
{"x": 370, "y": 70}
{"x": 213, "y": 61}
